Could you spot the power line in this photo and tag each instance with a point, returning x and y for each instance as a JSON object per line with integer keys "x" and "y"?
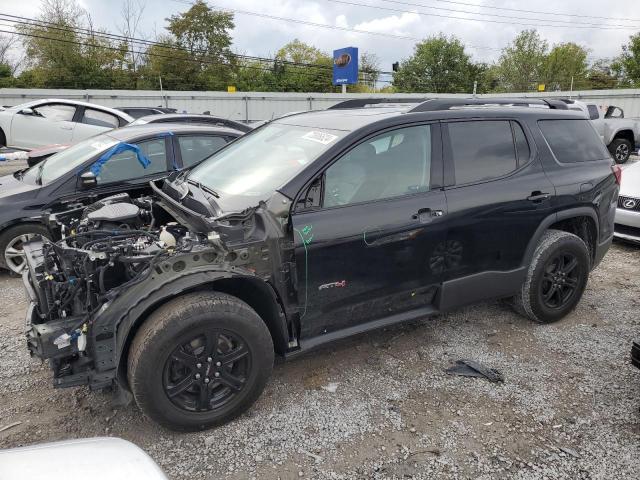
{"x": 493, "y": 7}
{"x": 331, "y": 27}
{"x": 483, "y": 20}
{"x": 570, "y": 22}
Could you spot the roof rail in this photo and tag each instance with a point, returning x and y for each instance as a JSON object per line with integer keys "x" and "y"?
{"x": 363, "y": 102}
{"x": 448, "y": 103}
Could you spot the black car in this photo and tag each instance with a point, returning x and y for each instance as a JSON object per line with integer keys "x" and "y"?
{"x": 315, "y": 227}
{"x": 137, "y": 112}
{"x": 66, "y": 179}
{"x": 193, "y": 119}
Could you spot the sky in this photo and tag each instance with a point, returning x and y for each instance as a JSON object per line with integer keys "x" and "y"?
{"x": 485, "y": 26}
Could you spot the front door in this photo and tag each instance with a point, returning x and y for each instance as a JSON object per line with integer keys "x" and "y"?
{"x": 369, "y": 248}
{"x": 50, "y": 123}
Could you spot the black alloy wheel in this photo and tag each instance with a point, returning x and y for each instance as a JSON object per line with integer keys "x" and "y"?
{"x": 208, "y": 371}
{"x": 560, "y": 280}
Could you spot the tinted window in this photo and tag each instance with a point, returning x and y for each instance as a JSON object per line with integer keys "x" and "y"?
{"x": 482, "y": 150}
{"x": 522, "y": 146}
{"x": 195, "y": 148}
{"x": 56, "y": 112}
{"x": 99, "y": 119}
{"x": 573, "y": 141}
{"x": 593, "y": 112}
{"x": 125, "y": 165}
{"x": 389, "y": 165}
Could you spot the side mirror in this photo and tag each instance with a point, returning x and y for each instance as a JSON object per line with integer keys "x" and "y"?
{"x": 27, "y": 111}
{"x": 88, "y": 180}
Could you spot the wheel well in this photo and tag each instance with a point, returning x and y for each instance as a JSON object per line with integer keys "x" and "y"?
{"x": 254, "y": 293}
{"x": 583, "y": 227}
{"x": 625, "y": 134}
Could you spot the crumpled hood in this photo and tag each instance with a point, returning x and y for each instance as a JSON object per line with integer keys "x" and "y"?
{"x": 631, "y": 181}
{"x": 10, "y": 185}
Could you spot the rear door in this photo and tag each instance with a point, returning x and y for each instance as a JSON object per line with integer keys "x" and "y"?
{"x": 50, "y": 123}
{"x": 497, "y": 194}
{"x": 369, "y": 231}
{"x": 91, "y": 121}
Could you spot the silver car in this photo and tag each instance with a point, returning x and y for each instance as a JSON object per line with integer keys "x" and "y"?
{"x": 627, "y": 225}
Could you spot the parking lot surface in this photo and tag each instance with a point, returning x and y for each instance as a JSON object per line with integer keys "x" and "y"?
{"x": 381, "y": 406}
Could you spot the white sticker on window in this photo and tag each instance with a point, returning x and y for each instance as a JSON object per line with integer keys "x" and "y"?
{"x": 320, "y": 137}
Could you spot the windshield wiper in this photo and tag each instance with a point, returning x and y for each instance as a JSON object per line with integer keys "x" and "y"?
{"x": 204, "y": 187}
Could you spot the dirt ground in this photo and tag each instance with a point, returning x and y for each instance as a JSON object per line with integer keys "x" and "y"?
{"x": 568, "y": 407}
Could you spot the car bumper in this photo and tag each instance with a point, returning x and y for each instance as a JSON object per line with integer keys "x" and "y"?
{"x": 627, "y": 225}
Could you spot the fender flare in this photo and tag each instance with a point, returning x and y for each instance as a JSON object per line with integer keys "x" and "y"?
{"x": 554, "y": 218}
{"x": 112, "y": 339}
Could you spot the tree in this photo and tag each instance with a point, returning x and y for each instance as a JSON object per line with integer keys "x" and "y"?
{"x": 627, "y": 65}
{"x": 438, "y": 65}
{"x": 289, "y": 77}
{"x": 521, "y": 65}
{"x": 601, "y": 76}
{"x": 205, "y": 34}
{"x": 131, "y": 15}
{"x": 369, "y": 67}
{"x": 565, "y": 62}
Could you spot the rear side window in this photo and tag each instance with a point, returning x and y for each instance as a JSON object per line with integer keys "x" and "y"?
{"x": 593, "y": 112}
{"x": 573, "y": 141}
{"x": 99, "y": 119}
{"x": 483, "y": 150}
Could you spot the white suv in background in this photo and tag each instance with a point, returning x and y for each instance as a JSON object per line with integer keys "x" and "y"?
{"x": 45, "y": 122}
{"x": 627, "y": 226}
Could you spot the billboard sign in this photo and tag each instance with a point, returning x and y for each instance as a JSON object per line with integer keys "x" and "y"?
{"x": 345, "y": 66}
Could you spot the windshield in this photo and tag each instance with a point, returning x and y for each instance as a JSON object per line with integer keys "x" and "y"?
{"x": 67, "y": 160}
{"x": 253, "y": 167}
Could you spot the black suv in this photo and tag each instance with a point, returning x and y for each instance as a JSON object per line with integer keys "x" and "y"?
{"x": 315, "y": 227}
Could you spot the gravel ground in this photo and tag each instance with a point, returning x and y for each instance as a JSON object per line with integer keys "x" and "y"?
{"x": 568, "y": 407}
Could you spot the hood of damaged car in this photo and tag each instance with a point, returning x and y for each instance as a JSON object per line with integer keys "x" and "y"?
{"x": 10, "y": 186}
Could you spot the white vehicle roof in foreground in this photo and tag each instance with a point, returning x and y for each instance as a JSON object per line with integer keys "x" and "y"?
{"x": 91, "y": 458}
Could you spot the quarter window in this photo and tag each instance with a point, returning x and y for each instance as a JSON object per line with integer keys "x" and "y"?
{"x": 573, "y": 141}
{"x": 195, "y": 148}
{"x": 389, "y": 165}
{"x": 483, "y": 150}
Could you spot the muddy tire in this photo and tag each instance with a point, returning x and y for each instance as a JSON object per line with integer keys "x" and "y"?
{"x": 199, "y": 361}
{"x": 556, "y": 278}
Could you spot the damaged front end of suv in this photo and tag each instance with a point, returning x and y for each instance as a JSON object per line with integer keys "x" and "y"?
{"x": 122, "y": 257}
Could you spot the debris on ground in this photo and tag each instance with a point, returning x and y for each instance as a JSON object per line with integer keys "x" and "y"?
{"x": 471, "y": 368}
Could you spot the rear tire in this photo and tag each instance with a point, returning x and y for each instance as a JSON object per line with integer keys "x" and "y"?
{"x": 620, "y": 149}
{"x": 556, "y": 278}
{"x": 199, "y": 361}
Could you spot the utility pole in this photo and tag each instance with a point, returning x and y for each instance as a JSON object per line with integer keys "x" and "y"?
{"x": 475, "y": 88}
{"x": 166, "y": 103}
{"x": 571, "y": 88}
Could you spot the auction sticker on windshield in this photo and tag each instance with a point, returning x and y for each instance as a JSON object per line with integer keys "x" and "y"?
{"x": 320, "y": 137}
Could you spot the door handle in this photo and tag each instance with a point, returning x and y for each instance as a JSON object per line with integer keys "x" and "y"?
{"x": 426, "y": 214}
{"x": 538, "y": 197}
{"x": 66, "y": 128}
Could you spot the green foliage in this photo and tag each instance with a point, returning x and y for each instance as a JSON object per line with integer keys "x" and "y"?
{"x": 627, "y": 65}
{"x": 438, "y": 65}
{"x": 566, "y": 61}
{"x": 521, "y": 66}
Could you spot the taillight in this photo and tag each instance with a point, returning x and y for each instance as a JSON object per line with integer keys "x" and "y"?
{"x": 617, "y": 172}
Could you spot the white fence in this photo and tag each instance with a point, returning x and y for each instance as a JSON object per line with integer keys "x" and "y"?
{"x": 250, "y": 106}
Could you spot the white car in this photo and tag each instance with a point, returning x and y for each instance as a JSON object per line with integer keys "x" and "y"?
{"x": 45, "y": 122}
{"x": 627, "y": 225}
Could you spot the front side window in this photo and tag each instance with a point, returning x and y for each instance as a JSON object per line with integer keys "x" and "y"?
{"x": 573, "y": 141}
{"x": 99, "y": 119}
{"x": 56, "y": 111}
{"x": 125, "y": 165}
{"x": 389, "y": 165}
{"x": 195, "y": 148}
{"x": 482, "y": 150}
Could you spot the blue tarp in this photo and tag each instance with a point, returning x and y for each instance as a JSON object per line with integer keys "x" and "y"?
{"x": 96, "y": 168}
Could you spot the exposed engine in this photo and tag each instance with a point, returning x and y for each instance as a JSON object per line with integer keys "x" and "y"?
{"x": 106, "y": 248}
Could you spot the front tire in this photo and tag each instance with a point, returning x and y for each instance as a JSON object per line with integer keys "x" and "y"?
{"x": 620, "y": 149}
{"x": 556, "y": 278}
{"x": 199, "y": 361}
{"x": 11, "y": 241}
